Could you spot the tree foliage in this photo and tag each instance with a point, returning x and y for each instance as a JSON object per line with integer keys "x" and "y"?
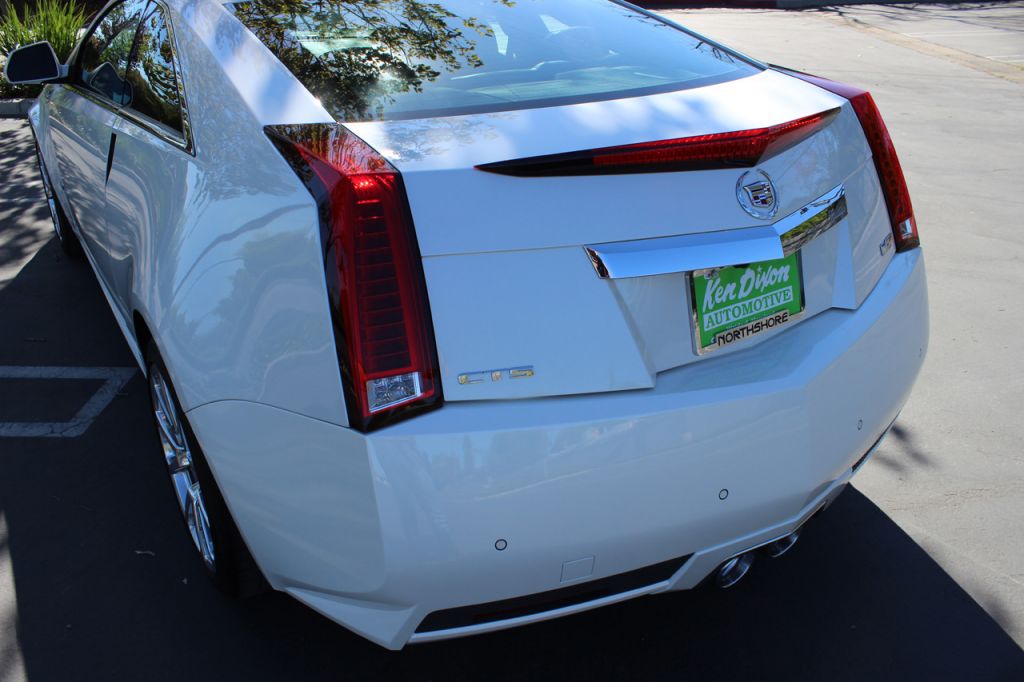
{"x": 56, "y": 21}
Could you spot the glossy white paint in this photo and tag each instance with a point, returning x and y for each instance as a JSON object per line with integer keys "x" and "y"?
{"x": 631, "y": 478}
{"x": 78, "y": 135}
{"x": 223, "y": 266}
{"x": 616, "y": 448}
{"x": 436, "y": 156}
{"x": 527, "y": 233}
{"x": 540, "y": 306}
{"x": 267, "y": 89}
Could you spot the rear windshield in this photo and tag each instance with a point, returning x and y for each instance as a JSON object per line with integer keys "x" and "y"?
{"x": 372, "y": 60}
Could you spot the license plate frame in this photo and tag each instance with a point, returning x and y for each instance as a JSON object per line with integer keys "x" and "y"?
{"x": 789, "y": 309}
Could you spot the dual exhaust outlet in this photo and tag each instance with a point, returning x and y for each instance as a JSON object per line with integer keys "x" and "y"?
{"x": 733, "y": 570}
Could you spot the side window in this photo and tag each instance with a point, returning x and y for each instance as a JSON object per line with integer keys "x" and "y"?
{"x": 103, "y": 57}
{"x": 151, "y": 74}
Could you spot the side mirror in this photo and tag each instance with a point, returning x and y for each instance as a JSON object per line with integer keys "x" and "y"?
{"x": 107, "y": 81}
{"x": 35, "y": 63}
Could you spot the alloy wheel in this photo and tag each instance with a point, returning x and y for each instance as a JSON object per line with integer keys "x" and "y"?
{"x": 181, "y": 466}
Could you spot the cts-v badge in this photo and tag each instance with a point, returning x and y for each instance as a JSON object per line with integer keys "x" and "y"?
{"x": 496, "y": 375}
{"x": 756, "y": 194}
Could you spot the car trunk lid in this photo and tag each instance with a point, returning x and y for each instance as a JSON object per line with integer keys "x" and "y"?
{"x": 519, "y": 308}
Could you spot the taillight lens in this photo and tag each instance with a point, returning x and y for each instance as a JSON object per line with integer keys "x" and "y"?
{"x": 887, "y": 164}
{"x": 733, "y": 149}
{"x": 378, "y": 297}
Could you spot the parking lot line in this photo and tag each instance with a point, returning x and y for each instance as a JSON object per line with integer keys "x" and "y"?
{"x": 114, "y": 379}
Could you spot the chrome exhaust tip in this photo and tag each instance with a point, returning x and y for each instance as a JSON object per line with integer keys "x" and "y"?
{"x": 777, "y": 548}
{"x": 733, "y": 570}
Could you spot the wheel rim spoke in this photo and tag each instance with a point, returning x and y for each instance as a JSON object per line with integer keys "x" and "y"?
{"x": 199, "y": 524}
{"x": 179, "y": 462}
{"x": 167, "y": 417}
{"x": 181, "y": 467}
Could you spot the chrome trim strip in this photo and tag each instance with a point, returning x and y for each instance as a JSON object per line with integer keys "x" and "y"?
{"x": 79, "y": 89}
{"x": 186, "y": 121}
{"x": 664, "y": 255}
{"x": 706, "y": 250}
{"x": 176, "y": 139}
{"x": 812, "y": 220}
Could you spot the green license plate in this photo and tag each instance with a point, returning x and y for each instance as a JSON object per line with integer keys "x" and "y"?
{"x": 734, "y": 303}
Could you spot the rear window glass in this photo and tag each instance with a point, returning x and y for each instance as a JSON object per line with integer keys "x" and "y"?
{"x": 400, "y": 59}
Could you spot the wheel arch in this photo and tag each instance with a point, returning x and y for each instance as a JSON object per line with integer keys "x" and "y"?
{"x": 143, "y": 337}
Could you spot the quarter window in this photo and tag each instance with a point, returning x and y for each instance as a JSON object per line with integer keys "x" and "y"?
{"x": 103, "y": 58}
{"x": 151, "y": 76}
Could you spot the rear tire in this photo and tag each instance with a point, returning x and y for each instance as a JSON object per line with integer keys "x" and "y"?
{"x": 214, "y": 535}
{"x": 61, "y": 225}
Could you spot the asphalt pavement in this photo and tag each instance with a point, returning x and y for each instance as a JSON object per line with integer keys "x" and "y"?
{"x": 915, "y": 573}
{"x": 989, "y": 30}
{"x": 953, "y": 475}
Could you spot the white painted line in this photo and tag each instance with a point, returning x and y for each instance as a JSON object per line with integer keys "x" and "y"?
{"x": 114, "y": 379}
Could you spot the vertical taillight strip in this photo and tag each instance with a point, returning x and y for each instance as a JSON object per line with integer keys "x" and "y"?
{"x": 887, "y": 163}
{"x": 374, "y": 273}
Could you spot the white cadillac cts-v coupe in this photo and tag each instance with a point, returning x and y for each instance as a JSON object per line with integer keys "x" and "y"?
{"x": 464, "y": 314}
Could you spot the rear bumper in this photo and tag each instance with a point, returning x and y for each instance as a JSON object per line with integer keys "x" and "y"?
{"x": 378, "y": 532}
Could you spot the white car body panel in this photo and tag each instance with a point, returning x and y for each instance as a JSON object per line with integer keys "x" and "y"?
{"x": 541, "y": 298}
{"x": 270, "y": 92}
{"x": 631, "y": 478}
{"x": 619, "y": 445}
{"x": 221, "y": 335}
{"x": 436, "y": 156}
{"x": 232, "y": 334}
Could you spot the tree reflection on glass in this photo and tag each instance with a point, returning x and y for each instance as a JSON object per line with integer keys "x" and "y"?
{"x": 104, "y": 55}
{"x": 154, "y": 86}
{"x": 357, "y": 56}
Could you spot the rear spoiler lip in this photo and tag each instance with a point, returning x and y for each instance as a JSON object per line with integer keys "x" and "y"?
{"x": 678, "y": 155}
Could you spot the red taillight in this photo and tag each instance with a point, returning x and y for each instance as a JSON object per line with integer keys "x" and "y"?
{"x": 378, "y": 297}
{"x": 734, "y": 149}
{"x": 887, "y": 164}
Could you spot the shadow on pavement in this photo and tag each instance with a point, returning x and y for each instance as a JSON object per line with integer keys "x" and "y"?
{"x": 105, "y": 584}
{"x": 968, "y": 14}
{"x": 24, "y": 217}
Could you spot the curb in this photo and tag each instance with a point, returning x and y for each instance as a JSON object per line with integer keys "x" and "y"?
{"x": 15, "y": 108}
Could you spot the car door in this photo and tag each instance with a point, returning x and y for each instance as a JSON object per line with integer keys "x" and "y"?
{"x": 147, "y": 184}
{"x": 81, "y": 117}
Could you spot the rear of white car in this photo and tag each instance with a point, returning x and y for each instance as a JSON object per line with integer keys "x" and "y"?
{"x": 563, "y": 436}
{"x": 600, "y": 305}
